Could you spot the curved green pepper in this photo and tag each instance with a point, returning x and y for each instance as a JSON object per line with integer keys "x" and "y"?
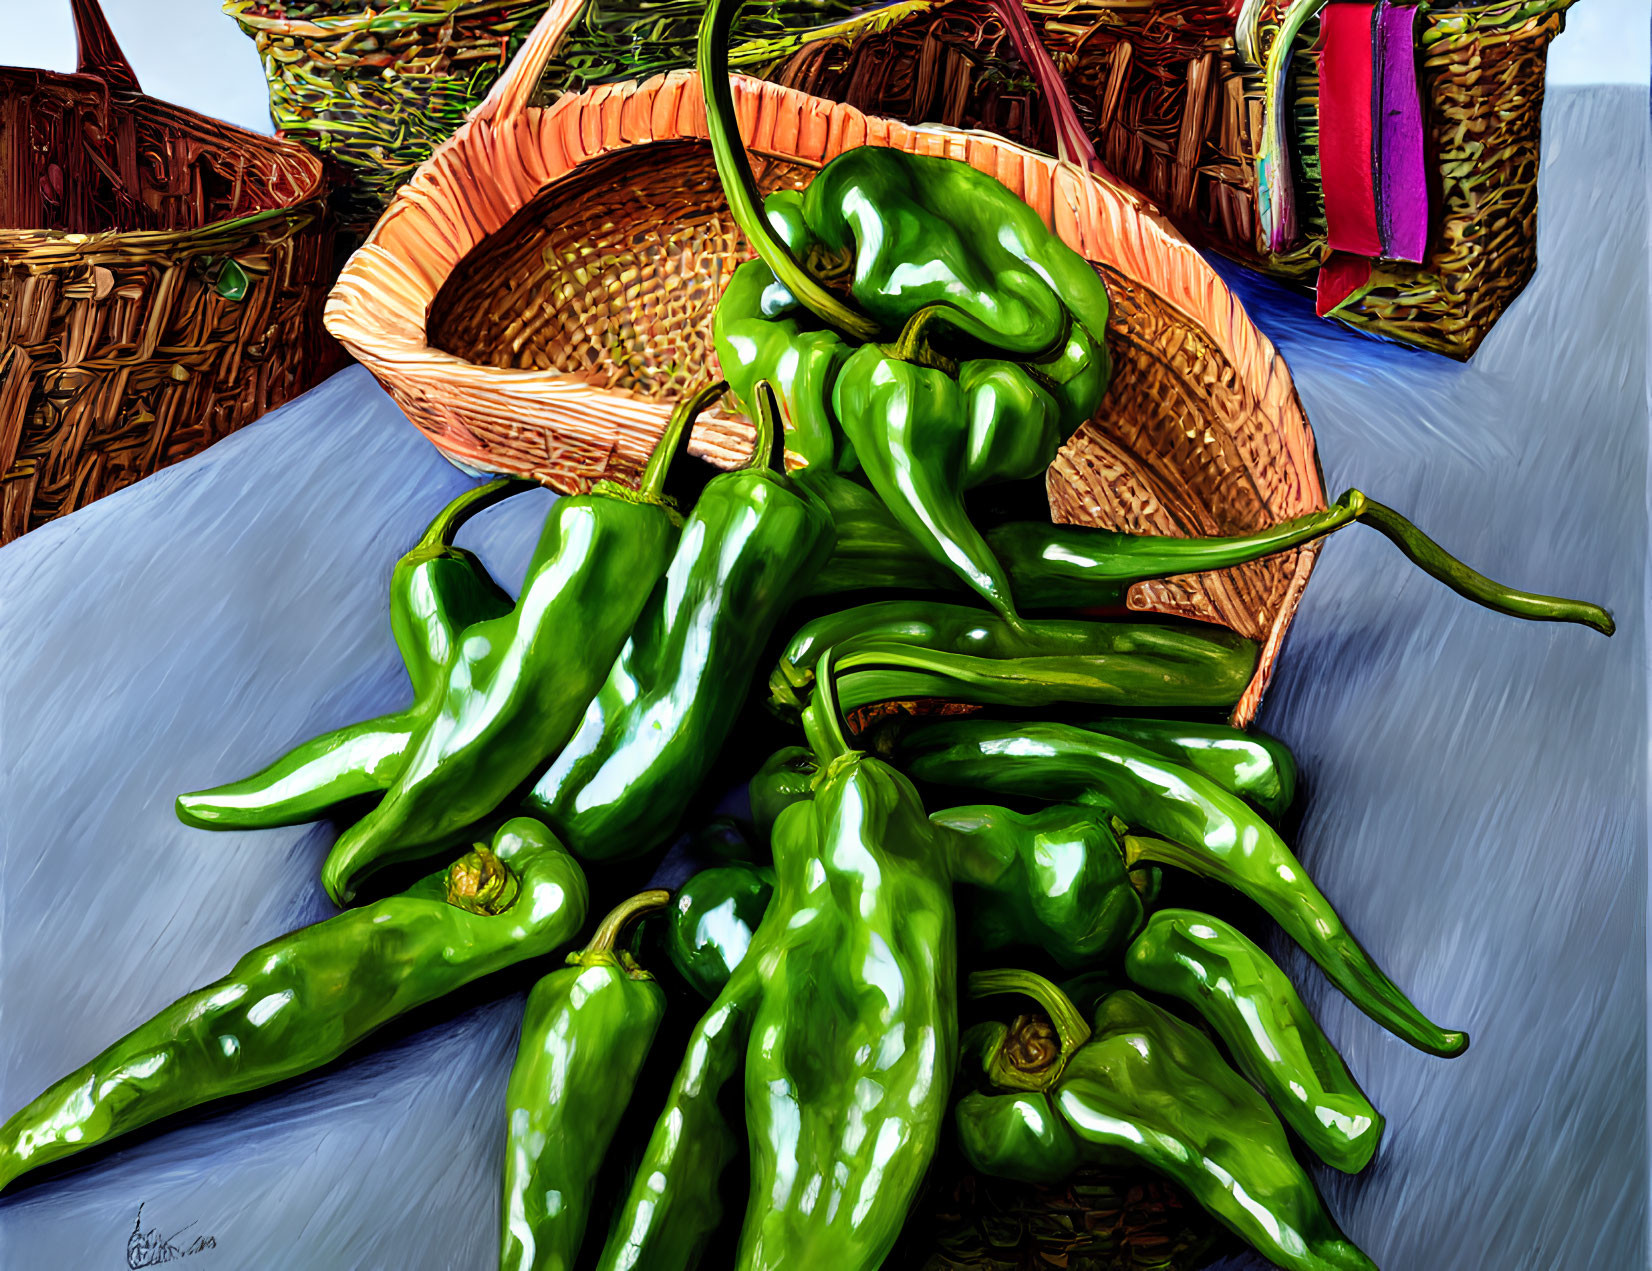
{"x": 303, "y": 999}
{"x": 436, "y": 590}
{"x": 585, "y": 1034}
{"x": 1257, "y": 1013}
{"x": 655, "y": 726}
{"x": 520, "y": 683}
{"x": 1252, "y": 765}
{"x": 713, "y": 917}
{"x": 1146, "y": 1089}
{"x": 1203, "y": 828}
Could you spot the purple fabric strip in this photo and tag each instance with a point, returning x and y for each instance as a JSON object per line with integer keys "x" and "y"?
{"x": 1403, "y": 188}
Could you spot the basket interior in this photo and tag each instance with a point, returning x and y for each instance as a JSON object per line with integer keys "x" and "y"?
{"x": 611, "y": 275}
{"x": 78, "y": 158}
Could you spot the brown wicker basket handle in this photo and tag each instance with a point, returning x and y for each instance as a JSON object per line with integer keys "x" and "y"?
{"x": 513, "y": 90}
{"x": 97, "y": 52}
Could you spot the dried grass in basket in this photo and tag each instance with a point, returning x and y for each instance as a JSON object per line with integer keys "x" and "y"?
{"x": 580, "y": 321}
{"x": 161, "y": 277}
{"x": 1173, "y": 111}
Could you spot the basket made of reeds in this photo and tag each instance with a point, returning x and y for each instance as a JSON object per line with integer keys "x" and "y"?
{"x": 161, "y": 277}
{"x": 376, "y": 87}
{"x": 1173, "y": 111}
{"x": 577, "y": 252}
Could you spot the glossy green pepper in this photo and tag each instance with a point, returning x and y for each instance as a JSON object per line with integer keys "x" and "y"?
{"x": 1200, "y": 827}
{"x": 922, "y": 242}
{"x": 520, "y": 684}
{"x": 713, "y": 917}
{"x": 1251, "y": 765}
{"x": 786, "y": 777}
{"x": 907, "y": 648}
{"x": 302, "y": 1000}
{"x": 654, "y": 729}
{"x": 436, "y": 590}
{"x": 1141, "y": 1089}
{"x": 585, "y": 1033}
{"x": 1054, "y": 566}
{"x": 1262, "y": 1021}
{"x": 1054, "y": 880}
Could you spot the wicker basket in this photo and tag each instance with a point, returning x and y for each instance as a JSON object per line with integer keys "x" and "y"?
{"x": 1173, "y": 111}
{"x": 160, "y": 280}
{"x": 375, "y": 87}
{"x": 590, "y": 314}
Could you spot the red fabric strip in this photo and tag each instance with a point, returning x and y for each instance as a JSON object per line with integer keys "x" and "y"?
{"x": 1347, "y": 166}
{"x": 1340, "y": 277}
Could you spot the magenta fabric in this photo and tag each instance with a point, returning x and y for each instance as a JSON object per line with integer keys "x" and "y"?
{"x": 1348, "y": 94}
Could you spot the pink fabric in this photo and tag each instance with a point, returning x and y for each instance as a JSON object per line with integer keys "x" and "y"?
{"x": 1348, "y": 94}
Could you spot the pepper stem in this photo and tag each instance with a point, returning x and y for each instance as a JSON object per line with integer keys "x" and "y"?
{"x": 480, "y": 883}
{"x": 769, "y": 450}
{"x": 652, "y": 484}
{"x": 914, "y": 345}
{"x": 740, "y": 186}
{"x": 1435, "y": 561}
{"x": 441, "y": 531}
{"x": 821, "y": 724}
{"x": 1070, "y": 1028}
{"x": 601, "y": 949}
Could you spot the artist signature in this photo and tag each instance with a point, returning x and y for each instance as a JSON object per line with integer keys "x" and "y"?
{"x": 150, "y": 1248}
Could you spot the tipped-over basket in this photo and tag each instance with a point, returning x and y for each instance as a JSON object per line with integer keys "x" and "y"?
{"x": 599, "y": 242}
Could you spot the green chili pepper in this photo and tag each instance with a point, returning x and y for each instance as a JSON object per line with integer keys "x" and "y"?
{"x": 520, "y": 684}
{"x": 302, "y": 1000}
{"x": 1253, "y": 766}
{"x": 898, "y": 648}
{"x": 655, "y": 727}
{"x": 1054, "y": 880}
{"x": 1052, "y": 566}
{"x": 436, "y": 590}
{"x": 1257, "y": 1013}
{"x": 919, "y": 241}
{"x": 1202, "y": 828}
{"x": 1143, "y": 1088}
{"x": 713, "y": 918}
{"x": 674, "y": 1203}
{"x": 585, "y": 1034}
{"x": 786, "y": 777}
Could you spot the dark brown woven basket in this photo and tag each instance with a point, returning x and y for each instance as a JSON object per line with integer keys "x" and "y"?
{"x": 1172, "y": 110}
{"x": 161, "y": 280}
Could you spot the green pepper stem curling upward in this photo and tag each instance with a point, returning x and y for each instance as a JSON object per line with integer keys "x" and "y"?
{"x": 442, "y": 530}
{"x": 682, "y": 415}
{"x": 601, "y": 952}
{"x": 480, "y": 883}
{"x": 1070, "y": 1027}
{"x": 740, "y": 186}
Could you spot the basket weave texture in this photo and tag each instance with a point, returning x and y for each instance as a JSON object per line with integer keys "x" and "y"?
{"x": 376, "y": 87}
{"x": 1173, "y": 111}
{"x": 120, "y": 216}
{"x": 602, "y": 242}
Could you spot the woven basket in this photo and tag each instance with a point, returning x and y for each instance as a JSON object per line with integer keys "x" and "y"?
{"x": 1173, "y": 111}
{"x": 160, "y": 280}
{"x": 602, "y": 243}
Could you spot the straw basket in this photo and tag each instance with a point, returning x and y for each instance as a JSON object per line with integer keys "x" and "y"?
{"x": 160, "y": 280}
{"x": 1172, "y": 110}
{"x": 375, "y": 87}
{"x": 602, "y": 243}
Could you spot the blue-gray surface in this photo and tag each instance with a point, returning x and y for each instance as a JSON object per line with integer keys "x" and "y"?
{"x": 1476, "y": 788}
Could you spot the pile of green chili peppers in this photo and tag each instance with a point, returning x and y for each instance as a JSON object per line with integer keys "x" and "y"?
{"x": 887, "y": 971}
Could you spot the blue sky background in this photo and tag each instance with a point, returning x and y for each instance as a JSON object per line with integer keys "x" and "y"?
{"x": 190, "y": 52}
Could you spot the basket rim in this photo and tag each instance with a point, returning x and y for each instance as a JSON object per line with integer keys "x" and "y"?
{"x": 367, "y": 19}
{"x": 22, "y": 241}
